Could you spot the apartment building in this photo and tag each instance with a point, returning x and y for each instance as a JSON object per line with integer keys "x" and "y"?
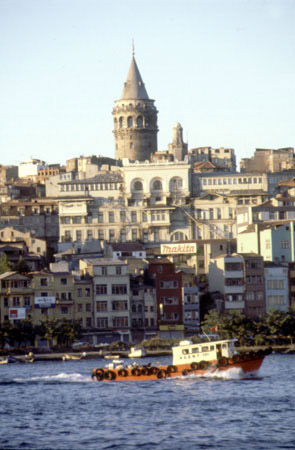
{"x": 274, "y": 241}
{"x": 240, "y": 279}
{"x": 276, "y": 286}
{"x": 111, "y": 296}
{"x": 168, "y": 285}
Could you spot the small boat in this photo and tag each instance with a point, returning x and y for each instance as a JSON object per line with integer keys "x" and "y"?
{"x": 112, "y": 356}
{"x": 136, "y": 352}
{"x": 188, "y": 359}
{"x": 4, "y": 361}
{"x": 68, "y": 357}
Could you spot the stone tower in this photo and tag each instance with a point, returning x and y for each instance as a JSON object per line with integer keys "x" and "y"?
{"x": 178, "y": 148}
{"x": 135, "y": 119}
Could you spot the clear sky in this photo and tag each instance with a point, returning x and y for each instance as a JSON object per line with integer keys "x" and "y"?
{"x": 224, "y": 69}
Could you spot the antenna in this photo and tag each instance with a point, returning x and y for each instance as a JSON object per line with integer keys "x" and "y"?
{"x": 133, "y": 47}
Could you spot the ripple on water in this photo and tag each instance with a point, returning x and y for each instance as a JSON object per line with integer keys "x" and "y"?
{"x": 58, "y": 406}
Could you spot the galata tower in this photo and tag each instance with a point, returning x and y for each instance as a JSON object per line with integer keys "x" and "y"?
{"x": 135, "y": 119}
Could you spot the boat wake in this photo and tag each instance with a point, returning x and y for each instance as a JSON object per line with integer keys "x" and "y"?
{"x": 58, "y": 378}
{"x": 235, "y": 373}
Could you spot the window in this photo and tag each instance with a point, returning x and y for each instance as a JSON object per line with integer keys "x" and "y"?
{"x": 104, "y": 270}
{"x": 111, "y": 235}
{"x": 118, "y": 270}
{"x": 100, "y": 217}
{"x": 138, "y": 186}
{"x": 129, "y": 122}
{"x": 101, "y": 289}
{"x": 64, "y": 310}
{"x": 43, "y": 282}
{"x": 87, "y": 292}
{"x": 101, "y": 306}
{"x": 157, "y": 185}
{"x": 78, "y": 235}
{"x": 16, "y": 301}
{"x": 123, "y": 216}
{"x": 102, "y": 322}
{"x": 120, "y": 322}
{"x": 133, "y": 216}
{"x": 63, "y": 281}
{"x": 89, "y": 235}
{"x": 134, "y": 234}
{"x": 170, "y": 300}
{"x": 100, "y": 235}
{"x": 111, "y": 217}
{"x": 171, "y": 316}
{"x": 120, "y": 306}
{"x": 119, "y": 289}
{"x": 169, "y": 284}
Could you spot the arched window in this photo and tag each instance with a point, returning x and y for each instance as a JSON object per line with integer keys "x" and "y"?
{"x": 138, "y": 186}
{"x": 157, "y": 185}
{"x": 129, "y": 122}
{"x": 178, "y": 236}
{"x": 121, "y": 122}
{"x": 139, "y": 122}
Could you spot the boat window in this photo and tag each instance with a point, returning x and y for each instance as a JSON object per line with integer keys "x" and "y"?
{"x": 212, "y": 348}
{"x": 195, "y": 350}
{"x": 224, "y": 345}
{"x": 205, "y": 349}
{"x": 185, "y": 351}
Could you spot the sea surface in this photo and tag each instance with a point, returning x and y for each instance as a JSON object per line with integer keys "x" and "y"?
{"x": 56, "y": 405}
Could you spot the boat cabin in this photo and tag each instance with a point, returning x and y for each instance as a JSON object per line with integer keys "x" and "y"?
{"x": 187, "y": 352}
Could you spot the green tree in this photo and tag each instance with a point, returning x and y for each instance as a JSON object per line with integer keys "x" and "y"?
{"x": 21, "y": 266}
{"x": 5, "y": 265}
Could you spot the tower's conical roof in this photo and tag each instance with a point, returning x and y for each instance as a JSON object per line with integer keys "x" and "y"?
{"x": 134, "y": 87}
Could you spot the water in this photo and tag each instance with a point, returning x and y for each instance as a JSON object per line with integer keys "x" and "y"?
{"x": 56, "y": 405}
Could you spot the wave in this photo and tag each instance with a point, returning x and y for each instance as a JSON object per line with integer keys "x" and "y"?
{"x": 60, "y": 378}
{"x": 235, "y": 373}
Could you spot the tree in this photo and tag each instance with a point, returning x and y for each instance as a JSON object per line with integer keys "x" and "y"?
{"x": 21, "y": 266}
{"x": 5, "y": 265}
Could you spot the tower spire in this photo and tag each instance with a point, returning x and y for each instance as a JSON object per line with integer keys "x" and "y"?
{"x": 133, "y": 51}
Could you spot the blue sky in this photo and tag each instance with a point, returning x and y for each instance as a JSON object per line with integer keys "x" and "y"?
{"x": 224, "y": 69}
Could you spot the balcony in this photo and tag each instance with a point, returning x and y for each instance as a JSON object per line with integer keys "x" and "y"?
{"x": 234, "y": 305}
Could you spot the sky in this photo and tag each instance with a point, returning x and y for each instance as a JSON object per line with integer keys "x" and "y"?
{"x": 224, "y": 69}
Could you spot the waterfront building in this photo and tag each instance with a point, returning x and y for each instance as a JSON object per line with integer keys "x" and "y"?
{"x": 276, "y": 286}
{"x": 16, "y": 297}
{"x": 168, "y": 283}
{"x": 240, "y": 280}
{"x": 111, "y": 296}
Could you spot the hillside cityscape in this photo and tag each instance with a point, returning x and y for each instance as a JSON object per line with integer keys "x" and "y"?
{"x": 144, "y": 244}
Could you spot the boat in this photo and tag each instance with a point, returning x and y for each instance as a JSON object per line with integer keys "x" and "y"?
{"x": 67, "y": 357}
{"x": 188, "y": 359}
{"x": 4, "y": 361}
{"x": 112, "y": 356}
{"x": 136, "y": 352}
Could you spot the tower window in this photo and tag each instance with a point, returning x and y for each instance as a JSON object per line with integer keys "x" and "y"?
{"x": 129, "y": 122}
{"x": 121, "y": 122}
{"x": 139, "y": 122}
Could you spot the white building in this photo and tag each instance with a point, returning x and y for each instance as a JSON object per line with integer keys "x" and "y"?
{"x": 30, "y": 168}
